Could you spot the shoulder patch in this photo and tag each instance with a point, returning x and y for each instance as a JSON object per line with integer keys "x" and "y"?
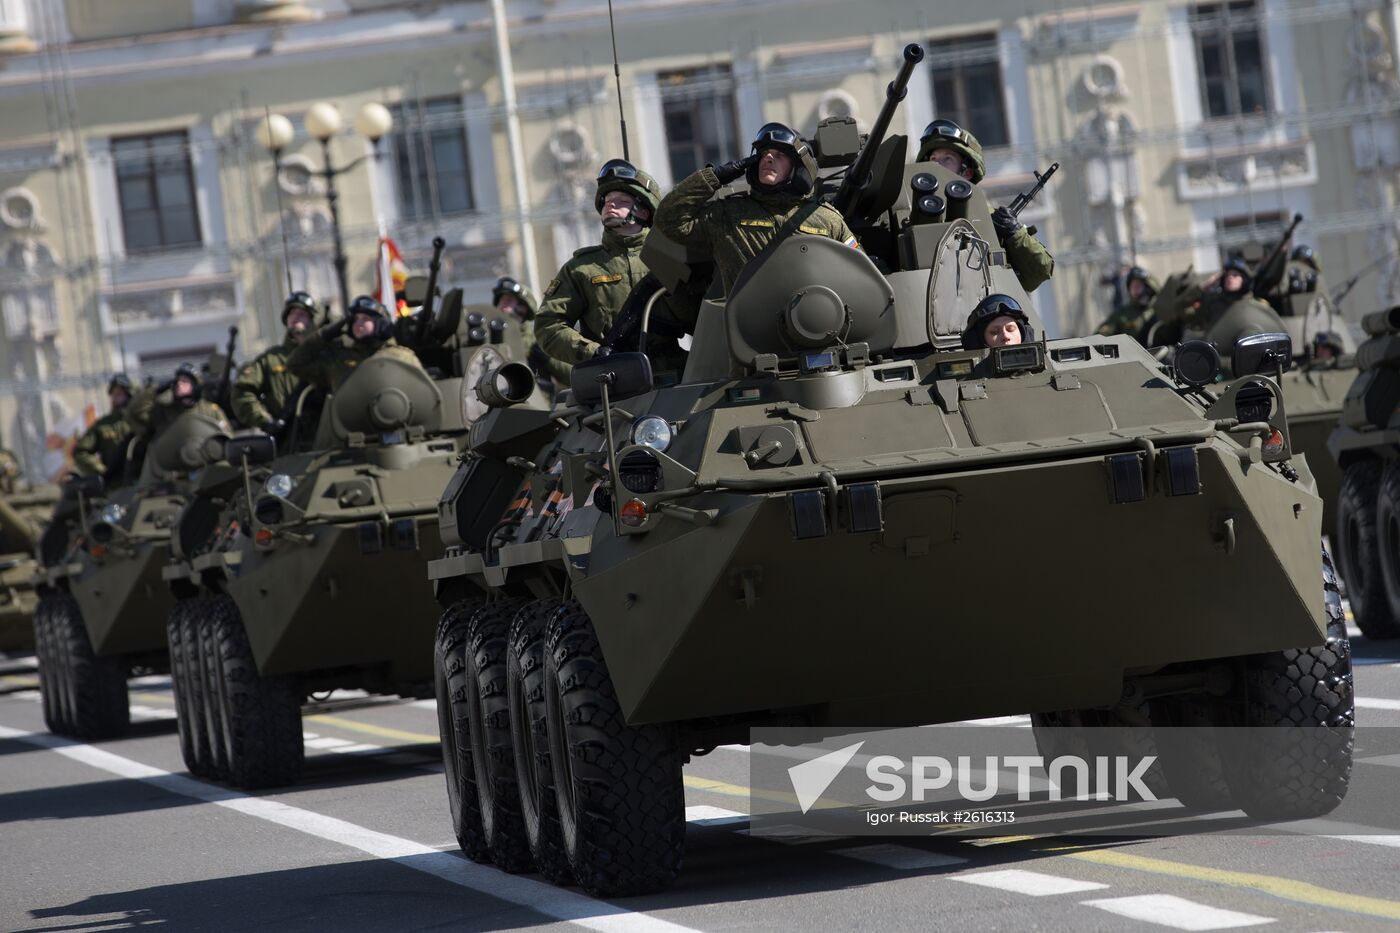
{"x": 605, "y": 279}
{"x": 551, "y": 287}
{"x": 812, "y": 228}
{"x": 755, "y": 222}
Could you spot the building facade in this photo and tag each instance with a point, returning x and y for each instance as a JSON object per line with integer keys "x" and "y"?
{"x": 140, "y": 218}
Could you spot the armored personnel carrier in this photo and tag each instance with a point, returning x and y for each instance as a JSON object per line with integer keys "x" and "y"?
{"x": 1364, "y": 446}
{"x": 303, "y": 573}
{"x": 102, "y": 605}
{"x": 838, "y": 498}
{"x": 23, "y": 512}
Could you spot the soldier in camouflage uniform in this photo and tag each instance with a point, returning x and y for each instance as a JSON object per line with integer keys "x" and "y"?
{"x": 957, "y": 150}
{"x": 264, "y": 386}
{"x": 326, "y": 361}
{"x": 1134, "y": 316}
{"x": 512, "y": 298}
{"x": 102, "y": 448}
{"x": 584, "y": 299}
{"x": 154, "y": 409}
{"x": 781, "y": 172}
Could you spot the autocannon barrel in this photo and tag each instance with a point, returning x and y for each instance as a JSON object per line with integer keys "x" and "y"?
{"x": 506, "y": 385}
{"x": 859, "y": 172}
{"x": 1380, "y": 323}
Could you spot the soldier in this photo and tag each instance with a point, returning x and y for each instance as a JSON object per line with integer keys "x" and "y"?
{"x": 958, "y": 151}
{"x": 514, "y": 299}
{"x": 997, "y": 321}
{"x": 782, "y": 173}
{"x": 101, "y": 451}
{"x": 266, "y": 385}
{"x": 324, "y": 360}
{"x": 154, "y": 409}
{"x": 584, "y": 299}
{"x": 1134, "y": 316}
{"x": 1227, "y": 310}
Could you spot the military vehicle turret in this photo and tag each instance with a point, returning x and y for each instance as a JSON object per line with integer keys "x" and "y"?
{"x": 102, "y": 606}
{"x": 837, "y": 507}
{"x": 1364, "y": 446}
{"x": 23, "y": 512}
{"x": 304, "y": 573}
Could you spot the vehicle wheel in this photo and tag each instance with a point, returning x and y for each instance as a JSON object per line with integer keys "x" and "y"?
{"x": 1387, "y": 538}
{"x": 1189, "y": 751}
{"x": 261, "y": 716}
{"x": 203, "y": 657}
{"x": 618, "y": 787}
{"x": 1293, "y": 761}
{"x": 179, "y": 682}
{"x": 1359, "y": 549}
{"x": 94, "y": 688}
{"x": 48, "y": 677}
{"x": 1093, "y": 733}
{"x": 530, "y": 739}
{"x": 493, "y": 756}
{"x": 182, "y": 632}
{"x": 450, "y": 681}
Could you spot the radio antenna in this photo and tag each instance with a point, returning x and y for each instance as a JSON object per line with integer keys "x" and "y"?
{"x": 281, "y": 215}
{"x": 617, "y": 79}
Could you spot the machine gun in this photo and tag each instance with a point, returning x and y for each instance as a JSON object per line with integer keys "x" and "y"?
{"x": 858, "y": 177}
{"x": 1265, "y": 276}
{"x": 225, "y": 385}
{"x": 425, "y": 314}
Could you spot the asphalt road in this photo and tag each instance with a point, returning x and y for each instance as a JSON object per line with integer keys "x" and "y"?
{"x": 116, "y": 835}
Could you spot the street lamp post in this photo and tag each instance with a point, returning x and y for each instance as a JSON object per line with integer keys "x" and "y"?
{"x": 323, "y": 121}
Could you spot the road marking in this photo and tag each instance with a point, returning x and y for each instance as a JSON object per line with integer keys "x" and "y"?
{"x": 902, "y": 858}
{"x": 1287, "y": 889}
{"x": 325, "y": 741}
{"x": 537, "y": 896}
{"x": 1034, "y": 883}
{"x": 996, "y": 721}
{"x": 358, "y": 749}
{"x": 1348, "y": 832}
{"x": 381, "y": 731}
{"x": 1372, "y": 703}
{"x": 713, "y": 816}
{"x": 1177, "y": 912}
{"x": 151, "y": 712}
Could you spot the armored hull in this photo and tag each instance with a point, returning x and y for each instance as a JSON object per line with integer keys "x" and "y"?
{"x": 1314, "y": 396}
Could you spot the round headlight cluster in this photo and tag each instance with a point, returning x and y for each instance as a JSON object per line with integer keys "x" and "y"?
{"x": 279, "y": 485}
{"x": 113, "y": 513}
{"x": 652, "y": 432}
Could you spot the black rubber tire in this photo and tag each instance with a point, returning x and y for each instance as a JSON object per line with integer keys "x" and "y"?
{"x": 493, "y": 755}
{"x": 182, "y": 631}
{"x": 1294, "y": 759}
{"x": 261, "y": 716}
{"x": 1359, "y": 550}
{"x": 1094, "y": 733}
{"x": 1387, "y": 554}
{"x": 539, "y": 809}
{"x": 618, "y": 787}
{"x": 97, "y": 705}
{"x": 180, "y": 681}
{"x": 450, "y": 683}
{"x": 48, "y": 676}
{"x": 1189, "y": 751}
{"x": 204, "y": 657}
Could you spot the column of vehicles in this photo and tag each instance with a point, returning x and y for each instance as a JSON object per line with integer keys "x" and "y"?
{"x": 636, "y": 571}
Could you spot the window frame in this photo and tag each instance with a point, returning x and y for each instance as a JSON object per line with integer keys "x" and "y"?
{"x": 1217, "y": 24}
{"x": 150, "y": 176}
{"x": 417, "y": 130}
{"x": 671, "y": 93}
{"x": 970, "y": 44}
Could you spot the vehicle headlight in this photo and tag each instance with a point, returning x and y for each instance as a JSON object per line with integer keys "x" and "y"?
{"x": 279, "y": 485}
{"x": 481, "y": 362}
{"x": 113, "y": 513}
{"x": 652, "y": 432}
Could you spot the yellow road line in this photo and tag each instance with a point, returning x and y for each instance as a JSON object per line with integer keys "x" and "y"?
{"x": 19, "y": 680}
{"x": 1300, "y": 892}
{"x": 382, "y": 731}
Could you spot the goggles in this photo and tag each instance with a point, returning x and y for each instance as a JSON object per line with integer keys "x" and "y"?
{"x": 300, "y": 299}
{"x": 617, "y": 168}
{"x": 946, "y": 129}
{"x": 776, "y": 134}
{"x": 507, "y": 284}
{"x": 996, "y": 305}
{"x": 367, "y": 305}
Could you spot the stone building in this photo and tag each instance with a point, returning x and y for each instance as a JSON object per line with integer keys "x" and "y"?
{"x": 139, "y": 216}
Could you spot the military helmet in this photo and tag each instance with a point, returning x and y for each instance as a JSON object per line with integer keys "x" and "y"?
{"x": 945, "y": 134}
{"x": 188, "y": 371}
{"x": 993, "y": 306}
{"x": 383, "y": 323}
{"x": 301, "y": 300}
{"x": 119, "y": 381}
{"x": 1237, "y": 264}
{"x": 621, "y": 175}
{"x": 1139, "y": 274}
{"x": 1304, "y": 253}
{"x": 786, "y": 140}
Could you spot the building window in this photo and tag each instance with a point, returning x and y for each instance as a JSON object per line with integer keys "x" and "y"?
{"x": 967, "y": 87}
{"x": 697, "y": 106}
{"x": 155, "y": 187}
{"x": 430, "y": 156}
{"x": 1230, "y": 53}
{"x": 1249, "y": 236}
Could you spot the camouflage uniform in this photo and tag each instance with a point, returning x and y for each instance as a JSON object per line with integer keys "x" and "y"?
{"x": 103, "y": 445}
{"x": 736, "y": 229}
{"x": 554, "y": 369}
{"x": 263, "y": 386}
{"x": 584, "y": 299}
{"x": 328, "y": 363}
{"x": 152, "y": 410}
{"x": 1128, "y": 318}
{"x": 1029, "y": 259}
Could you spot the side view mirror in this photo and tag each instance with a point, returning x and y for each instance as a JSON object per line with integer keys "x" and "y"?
{"x": 630, "y": 375}
{"x": 1196, "y": 363}
{"x": 1262, "y": 354}
{"x": 257, "y": 448}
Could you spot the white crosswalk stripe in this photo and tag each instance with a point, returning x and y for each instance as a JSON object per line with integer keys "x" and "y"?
{"x": 1034, "y": 883}
{"x": 1176, "y": 912}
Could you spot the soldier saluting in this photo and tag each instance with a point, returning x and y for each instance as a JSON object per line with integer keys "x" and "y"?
{"x": 781, "y": 172}
{"x": 326, "y": 361}
{"x": 264, "y": 386}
